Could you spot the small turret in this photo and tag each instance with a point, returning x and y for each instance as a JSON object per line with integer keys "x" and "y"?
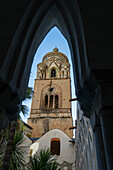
{"x": 55, "y": 49}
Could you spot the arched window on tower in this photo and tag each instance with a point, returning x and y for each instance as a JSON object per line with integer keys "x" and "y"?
{"x": 42, "y": 75}
{"x": 51, "y": 102}
{"x": 46, "y": 101}
{"x": 53, "y": 72}
{"x": 68, "y": 73}
{"x": 55, "y": 146}
{"x": 56, "y": 101}
{"x": 63, "y": 73}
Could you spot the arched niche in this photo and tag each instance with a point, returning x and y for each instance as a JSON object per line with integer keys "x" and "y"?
{"x": 53, "y": 72}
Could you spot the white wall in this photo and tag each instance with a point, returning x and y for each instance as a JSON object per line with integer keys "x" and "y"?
{"x": 67, "y": 149}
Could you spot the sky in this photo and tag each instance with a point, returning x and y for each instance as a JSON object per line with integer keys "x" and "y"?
{"x": 53, "y": 39}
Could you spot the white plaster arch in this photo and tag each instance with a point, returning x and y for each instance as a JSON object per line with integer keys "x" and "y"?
{"x": 66, "y": 148}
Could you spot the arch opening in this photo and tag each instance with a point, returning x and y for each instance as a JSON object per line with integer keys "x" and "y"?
{"x": 57, "y": 11}
{"x": 46, "y": 46}
{"x": 56, "y": 101}
{"x": 41, "y": 20}
{"x": 53, "y": 72}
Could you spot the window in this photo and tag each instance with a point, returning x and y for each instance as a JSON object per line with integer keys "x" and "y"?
{"x": 42, "y": 75}
{"x": 46, "y": 101}
{"x": 55, "y": 146}
{"x": 56, "y": 101}
{"x": 51, "y": 102}
{"x": 53, "y": 72}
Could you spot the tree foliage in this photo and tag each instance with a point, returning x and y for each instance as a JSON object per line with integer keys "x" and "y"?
{"x": 13, "y": 156}
{"x": 16, "y": 159}
{"x": 43, "y": 161}
{"x": 4, "y": 134}
{"x": 29, "y": 93}
{"x": 19, "y": 151}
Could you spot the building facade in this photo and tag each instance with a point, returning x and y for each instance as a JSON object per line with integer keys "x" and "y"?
{"x": 51, "y": 115}
{"x": 61, "y": 147}
{"x": 85, "y": 148}
{"x": 51, "y": 108}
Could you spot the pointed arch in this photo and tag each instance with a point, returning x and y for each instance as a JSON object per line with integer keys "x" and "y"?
{"x": 53, "y": 72}
{"x": 71, "y": 28}
{"x": 39, "y": 18}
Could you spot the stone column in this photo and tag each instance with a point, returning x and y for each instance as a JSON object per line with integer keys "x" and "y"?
{"x": 101, "y": 160}
{"x": 106, "y": 118}
{"x": 53, "y": 101}
{"x": 48, "y": 100}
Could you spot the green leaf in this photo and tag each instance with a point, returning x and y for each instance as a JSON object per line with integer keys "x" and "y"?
{"x": 19, "y": 151}
{"x": 24, "y": 110}
{"x": 43, "y": 161}
{"x": 29, "y": 93}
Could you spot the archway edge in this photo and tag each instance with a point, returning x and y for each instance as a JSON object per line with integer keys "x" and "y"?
{"x": 17, "y": 79}
{"x": 29, "y": 36}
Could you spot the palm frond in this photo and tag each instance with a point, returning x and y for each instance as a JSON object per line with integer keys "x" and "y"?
{"x": 29, "y": 93}
{"x": 19, "y": 152}
{"x": 2, "y": 150}
{"x": 24, "y": 110}
{"x": 43, "y": 161}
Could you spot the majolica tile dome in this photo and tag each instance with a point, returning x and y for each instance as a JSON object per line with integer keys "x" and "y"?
{"x": 54, "y": 65}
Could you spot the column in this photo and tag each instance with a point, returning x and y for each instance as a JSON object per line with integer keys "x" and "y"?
{"x": 48, "y": 100}
{"x": 53, "y": 101}
{"x": 100, "y": 153}
{"x": 106, "y": 118}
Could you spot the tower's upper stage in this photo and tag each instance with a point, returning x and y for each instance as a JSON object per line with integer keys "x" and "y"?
{"x": 54, "y": 65}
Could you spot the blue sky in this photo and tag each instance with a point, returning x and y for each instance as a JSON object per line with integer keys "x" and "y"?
{"x": 53, "y": 39}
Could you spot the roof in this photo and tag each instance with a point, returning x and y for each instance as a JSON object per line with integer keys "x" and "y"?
{"x": 54, "y": 52}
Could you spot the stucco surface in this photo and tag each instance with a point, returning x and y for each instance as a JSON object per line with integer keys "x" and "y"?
{"x": 67, "y": 149}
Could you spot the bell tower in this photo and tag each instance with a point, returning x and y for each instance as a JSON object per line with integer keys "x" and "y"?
{"x": 51, "y": 108}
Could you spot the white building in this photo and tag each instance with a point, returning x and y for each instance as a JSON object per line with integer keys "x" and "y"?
{"x": 60, "y": 144}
